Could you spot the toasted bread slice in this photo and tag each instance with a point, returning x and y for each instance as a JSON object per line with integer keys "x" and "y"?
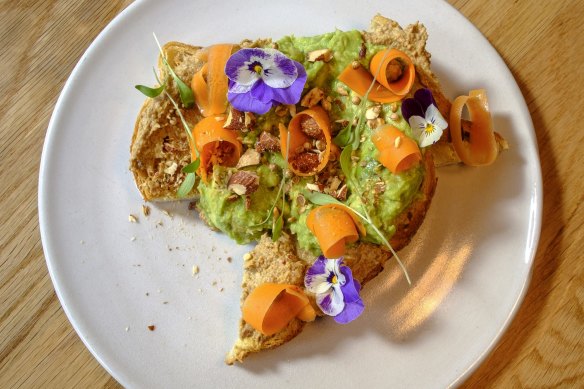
{"x": 160, "y": 148}
{"x": 365, "y": 260}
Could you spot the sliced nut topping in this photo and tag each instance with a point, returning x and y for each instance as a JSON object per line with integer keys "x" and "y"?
{"x": 394, "y": 70}
{"x": 326, "y": 104}
{"x": 342, "y": 91}
{"x": 312, "y": 98}
{"x": 320, "y": 145}
{"x": 324, "y": 55}
{"x": 235, "y": 120}
{"x": 249, "y": 121}
{"x": 356, "y": 100}
{"x": 250, "y": 158}
{"x": 355, "y": 64}
{"x": 309, "y": 126}
{"x": 243, "y": 182}
{"x": 341, "y": 194}
{"x": 292, "y": 108}
{"x": 305, "y": 162}
{"x": 335, "y": 183}
{"x": 371, "y": 113}
{"x": 362, "y": 50}
{"x": 379, "y": 187}
{"x": 171, "y": 169}
{"x": 373, "y": 124}
{"x": 394, "y": 117}
{"x": 300, "y": 200}
{"x": 267, "y": 142}
{"x": 313, "y": 187}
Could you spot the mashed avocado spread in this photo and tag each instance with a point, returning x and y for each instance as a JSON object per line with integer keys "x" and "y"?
{"x": 384, "y": 195}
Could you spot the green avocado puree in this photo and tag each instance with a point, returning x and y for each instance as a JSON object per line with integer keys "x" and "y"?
{"x": 245, "y": 224}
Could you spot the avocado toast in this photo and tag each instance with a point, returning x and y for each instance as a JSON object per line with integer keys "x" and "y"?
{"x": 268, "y": 192}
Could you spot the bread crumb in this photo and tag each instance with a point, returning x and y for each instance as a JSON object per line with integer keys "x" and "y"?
{"x": 127, "y": 329}
{"x": 229, "y": 259}
{"x": 151, "y": 327}
{"x": 164, "y": 211}
{"x": 195, "y": 270}
{"x": 132, "y": 219}
{"x": 145, "y": 210}
{"x": 246, "y": 256}
{"x": 133, "y": 238}
{"x": 81, "y": 242}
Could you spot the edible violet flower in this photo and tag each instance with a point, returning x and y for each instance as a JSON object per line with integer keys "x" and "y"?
{"x": 424, "y": 117}
{"x": 337, "y": 293}
{"x": 260, "y": 78}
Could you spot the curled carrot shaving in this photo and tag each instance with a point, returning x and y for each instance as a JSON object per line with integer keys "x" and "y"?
{"x": 334, "y": 225}
{"x": 397, "y": 152}
{"x": 216, "y": 145}
{"x": 481, "y": 148}
{"x": 270, "y": 307}
{"x": 384, "y": 89}
{"x": 298, "y": 138}
{"x": 210, "y": 84}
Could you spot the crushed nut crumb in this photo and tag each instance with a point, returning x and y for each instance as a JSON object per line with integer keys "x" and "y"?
{"x": 132, "y": 219}
{"x": 145, "y": 210}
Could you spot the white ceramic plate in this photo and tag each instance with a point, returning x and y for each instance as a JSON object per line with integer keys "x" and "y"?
{"x": 470, "y": 261}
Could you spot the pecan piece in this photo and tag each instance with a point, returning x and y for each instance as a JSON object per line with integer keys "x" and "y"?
{"x": 309, "y": 126}
{"x": 324, "y": 55}
{"x": 312, "y": 97}
{"x": 267, "y": 142}
{"x": 243, "y": 182}
{"x": 305, "y": 162}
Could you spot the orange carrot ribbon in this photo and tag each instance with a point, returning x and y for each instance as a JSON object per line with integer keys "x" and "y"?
{"x": 270, "y": 307}
{"x": 299, "y": 138}
{"x": 216, "y": 145}
{"x": 384, "y": 90}
{"x": 481, "y": 148}
{"x": 334, "y": 225}
{"x": 397, "y": 152}
{"x": 210, "y": 84}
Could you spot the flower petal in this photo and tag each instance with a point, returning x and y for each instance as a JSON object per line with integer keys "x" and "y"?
{"x": 292, "y": 94}
{"x": 234, "y": 87}
{"x": 238, "y": 67}
{"x": 246, "y": 103}
{"x": 424, "y": 97}
{"x": 314, "y": 274}
{"x": 428, "y": 138}
{"x": 262, "y": 92}
{"x": 279, "y": 71}
{"x": 354, "y": 306}
{"x": 417, "y": 123}
{"x": 331, "y": 303}
{"x": 411, "y": 107}
{"x": 434, "y": 116}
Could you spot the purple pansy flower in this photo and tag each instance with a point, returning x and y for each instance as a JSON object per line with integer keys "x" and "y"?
{"x": 337, "y": 293}
{"x": 424, "y": 117}
{"x": 260, "y": 78}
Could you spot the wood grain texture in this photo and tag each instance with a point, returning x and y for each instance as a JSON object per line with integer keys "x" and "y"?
{"x": 541, "y": 43}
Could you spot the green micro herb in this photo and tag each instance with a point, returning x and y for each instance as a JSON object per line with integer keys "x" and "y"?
{"x": 187, "y": 98}
{"x": 186, "y": 94}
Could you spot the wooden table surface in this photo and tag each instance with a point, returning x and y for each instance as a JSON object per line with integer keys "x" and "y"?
{"x": 542, "y": 42}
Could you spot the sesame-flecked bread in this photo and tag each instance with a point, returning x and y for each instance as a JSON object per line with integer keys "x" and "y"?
{"x": 160, "y": 148}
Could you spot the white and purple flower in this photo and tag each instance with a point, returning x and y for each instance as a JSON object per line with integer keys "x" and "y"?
{"x": 260, "y": 78}
{"x": 424, "y": 117}
{"x": 337, "y": 293}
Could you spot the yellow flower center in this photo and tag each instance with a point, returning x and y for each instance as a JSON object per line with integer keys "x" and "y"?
{"x": 258, "y": 69}
{"x": 334, "y": 280}
{"x": 429, "y": 128}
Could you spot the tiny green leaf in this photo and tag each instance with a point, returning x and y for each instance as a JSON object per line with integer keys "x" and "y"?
{"x": 320, "y": 198}
{"x": 186, "y": 186}
{"x": 345, "y": 160}
{"x": 192, "y": 167}
{"x": 277, "y": 227}
{"x": 344, "y": 137}
{"x": 186, "y": 94}
{"x": 150, "y": 92}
